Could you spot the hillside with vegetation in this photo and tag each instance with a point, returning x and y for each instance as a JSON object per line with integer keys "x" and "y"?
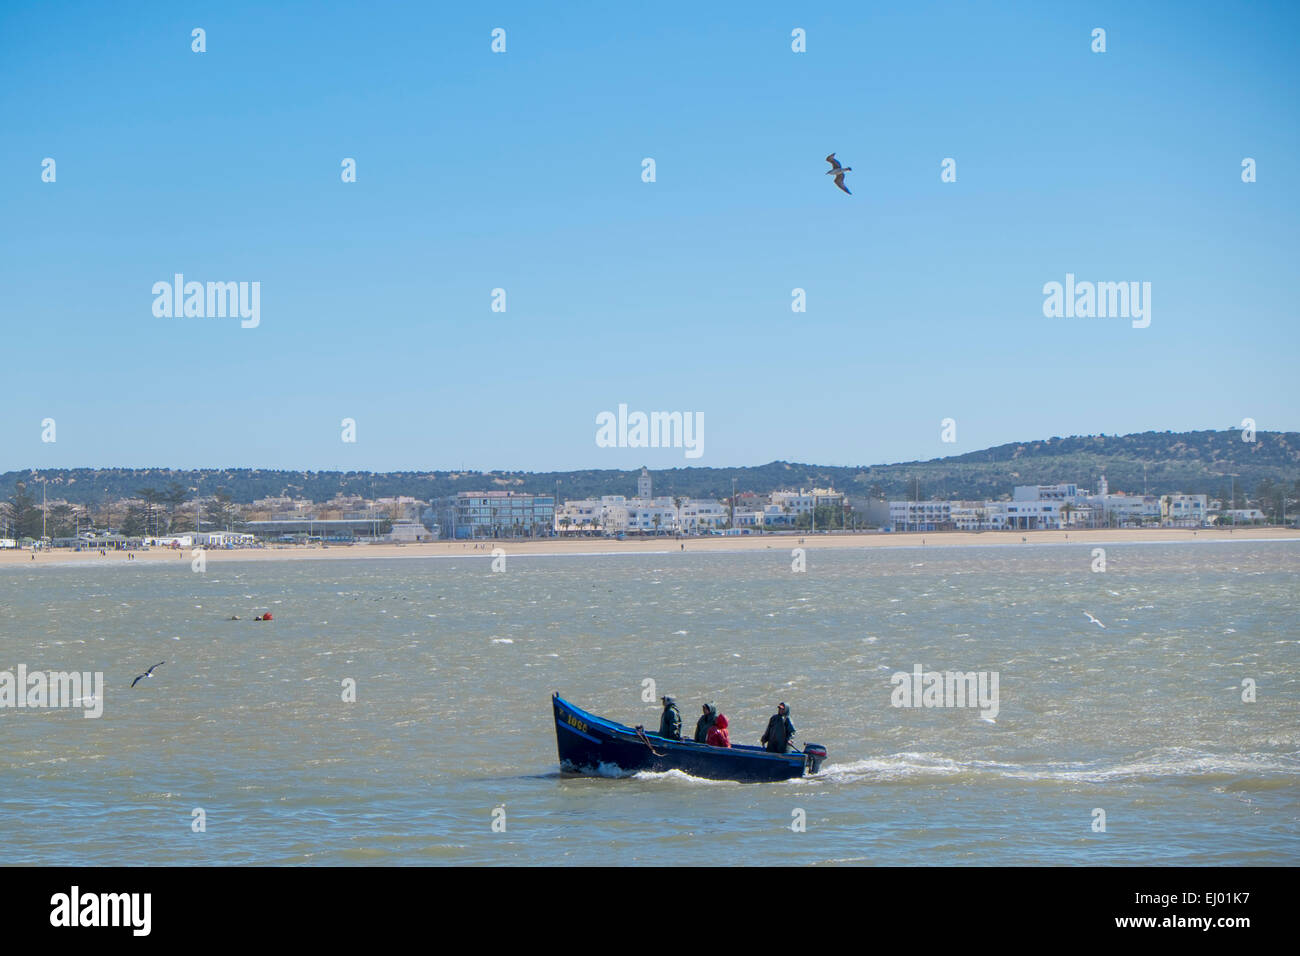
{"x": 1200, "y": 462}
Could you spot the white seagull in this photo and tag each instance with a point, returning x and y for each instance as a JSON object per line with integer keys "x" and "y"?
{"x": 148, "y": 673}
{"x": 838, "y": 172}
{"x": 1094, "y": 620}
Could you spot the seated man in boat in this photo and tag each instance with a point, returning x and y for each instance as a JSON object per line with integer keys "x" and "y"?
{"x": 718, "y": 735}
{"x": 779, "y": 730}
{"x": 670, "y": 724}
{"x": 705, "y": 722}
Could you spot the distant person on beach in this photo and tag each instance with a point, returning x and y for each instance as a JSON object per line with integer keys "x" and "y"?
{"x": 718, "y": 735}
{"x": 670, "y": 724}
{"x": 779, "y": 731}
{"x": 705, "y": 722}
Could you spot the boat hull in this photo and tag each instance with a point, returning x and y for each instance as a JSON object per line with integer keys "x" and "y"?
{"x": 591, "y": 744}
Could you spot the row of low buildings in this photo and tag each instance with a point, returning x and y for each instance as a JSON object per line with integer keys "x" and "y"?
{"x": 647, "y": 514}
{"x": 510, "y": 514}
{"x": 1052, "y": 507}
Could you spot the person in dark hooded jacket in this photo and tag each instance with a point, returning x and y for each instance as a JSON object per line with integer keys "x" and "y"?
{"x": 670, "y": 724}
{"x": 779, "y": 731}
{"x": 705, "y": 722}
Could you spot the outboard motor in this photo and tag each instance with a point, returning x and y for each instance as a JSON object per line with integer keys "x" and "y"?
{"x": 814, "y": 755}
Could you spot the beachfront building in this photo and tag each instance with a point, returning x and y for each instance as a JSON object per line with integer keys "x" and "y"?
{"x": 1123, "y": 510}
{"x": 793, "y": 503}
{"x": 1061, "y": 492}
{"x": 920, "y": 515}
{"x": 1184, "y": 511}
{"x": 224, "y": 539}
{"x": 1051, "y": 507}
{"x": 650, "y": 516}
{"x": 497, "y": 514}
{"x": 616, "y": 514}
{"x": 969, "y": 515}
{"x": 702, "y": 514}
{"x": 1026, "y": 515}
{"x": 410, "y": 532}
{"x": 309, "y": 527}
{"x": 583, "y": 515}
{"x": 789, "y": 506}
{"x": 1241, "y": 516}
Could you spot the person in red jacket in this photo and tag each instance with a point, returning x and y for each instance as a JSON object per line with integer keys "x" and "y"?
{"x": 718, "y": 736}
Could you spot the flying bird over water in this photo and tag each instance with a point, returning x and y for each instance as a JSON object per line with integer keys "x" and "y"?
{"x": 148, "y": 673}
{"x": 1094, "y": 620}
{"x": 838, "y": 172}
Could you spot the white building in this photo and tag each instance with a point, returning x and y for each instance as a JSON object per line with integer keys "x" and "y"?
{"x": 1240, "y": 516}
{"x": 616, "y": 514}
{"x": 1062, "y": 492}
{"x": 920, "y": 515}
{"x": 1050, "y": 507}
{"x": 793, "y": 502}
{"x": 409, "y": 532}
{"x": 224, "y": 539}
{"x": 699, "y": 514}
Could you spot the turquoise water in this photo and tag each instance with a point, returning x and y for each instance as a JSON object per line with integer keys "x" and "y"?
{"x": 454, "y": 666}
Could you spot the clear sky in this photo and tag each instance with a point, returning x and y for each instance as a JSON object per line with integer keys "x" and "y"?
{"x": 522, "y": 170}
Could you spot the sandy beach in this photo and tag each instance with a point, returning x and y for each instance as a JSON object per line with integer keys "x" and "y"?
{"x": 610, "y": 546}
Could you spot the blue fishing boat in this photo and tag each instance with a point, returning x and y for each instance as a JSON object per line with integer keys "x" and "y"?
{"x": 589, "y": 744}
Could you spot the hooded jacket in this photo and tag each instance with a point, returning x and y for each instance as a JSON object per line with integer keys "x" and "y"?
{"x": 718, "y": 736}
{"x": 704, "y": 723}
{"x": 779, "y": 732}
{"x": 670, "y": 724}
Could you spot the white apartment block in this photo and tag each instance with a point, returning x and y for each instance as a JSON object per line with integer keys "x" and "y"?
{"x": 617, "y": 514}
{"x": 920, "y": 515}
{"x": 1050, "y": 507}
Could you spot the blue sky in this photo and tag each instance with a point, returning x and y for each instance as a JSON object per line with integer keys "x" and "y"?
{"x": 522, "y": 171}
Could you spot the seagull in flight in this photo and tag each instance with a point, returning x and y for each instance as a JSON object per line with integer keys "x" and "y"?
{"x": 1094, "y": 620}
{"x": 838, "y": 172}
{"x": 148, "y": 673}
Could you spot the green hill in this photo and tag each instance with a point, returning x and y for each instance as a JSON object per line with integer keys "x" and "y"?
{"x": 1191, "y": 462}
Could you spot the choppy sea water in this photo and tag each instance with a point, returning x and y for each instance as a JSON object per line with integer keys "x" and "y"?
{"x": 454, "y": 665}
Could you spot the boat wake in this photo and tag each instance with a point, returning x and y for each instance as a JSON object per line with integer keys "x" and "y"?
{"x": 677, "y": 776}
{"x": 1239, "y": 770}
